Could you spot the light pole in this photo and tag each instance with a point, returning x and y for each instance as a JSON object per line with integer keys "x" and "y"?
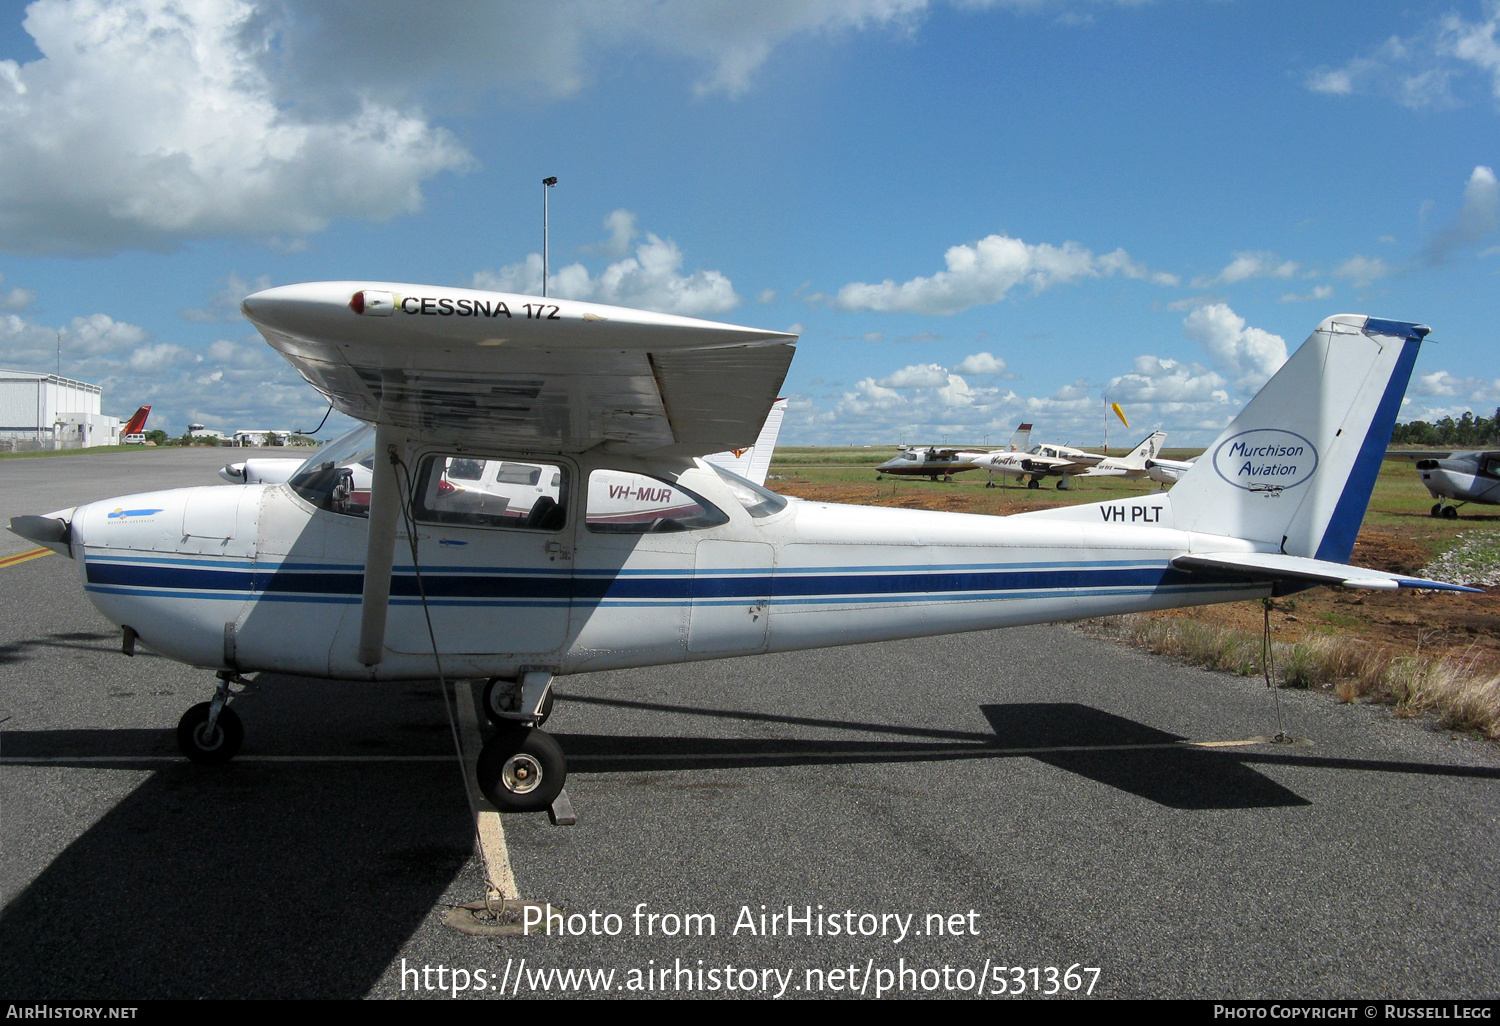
{"x": 547, "y": 183}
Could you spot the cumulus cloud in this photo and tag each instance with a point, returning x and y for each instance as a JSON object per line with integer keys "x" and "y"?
{"x": 1413, "y": 72}
{"x": 1154, "y": 379}
{"x": 1362, "y": 271}
{"x": 982, "y": 363}
{"x": 224, "y": 302}
{"x": 1318, "y": 292}
{"x": 147, "y": 122}
{"x": 1473, "y": 42}
{"x": 1248, "y": 355}
{"x": 650, "y": 280}
{"x": 551, "y": 47}
{"x": 16, "y": 299}
{"x": 1478, "y": 217}
{"x": 1250, "y": 265}
{"x": 926, "y": 375}
{"x": 1443, "y": 385}
{"x": 1421, "y": 71}
{"x": 984, "y": 273}
{"x": 622, "y": 232}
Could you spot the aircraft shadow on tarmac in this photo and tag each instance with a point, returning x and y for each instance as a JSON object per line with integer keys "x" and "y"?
{"x": 270, "y": 880}
{"x": 1130, "y": 756}
{"x": 33, "y": 648}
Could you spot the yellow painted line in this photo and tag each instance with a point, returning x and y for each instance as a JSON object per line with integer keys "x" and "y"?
{"x": 23, "y": 557}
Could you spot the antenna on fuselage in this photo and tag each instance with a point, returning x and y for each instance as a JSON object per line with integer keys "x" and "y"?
{"x": 547, "y": 183}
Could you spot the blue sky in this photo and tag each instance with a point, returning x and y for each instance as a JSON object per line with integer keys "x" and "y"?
{"x": 974, "y": 213}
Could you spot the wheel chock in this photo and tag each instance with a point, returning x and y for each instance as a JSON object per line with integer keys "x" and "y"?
{"x": 561, "y": 813}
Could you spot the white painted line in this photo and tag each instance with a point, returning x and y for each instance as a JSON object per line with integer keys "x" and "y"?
{"x": 501, "y": 879}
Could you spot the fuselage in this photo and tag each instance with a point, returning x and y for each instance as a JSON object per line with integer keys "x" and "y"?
{"x": 1466, "y": 477}
{"x": 255, "y": 577}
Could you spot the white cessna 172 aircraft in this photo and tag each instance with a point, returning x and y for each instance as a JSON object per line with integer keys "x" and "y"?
{"x": 314, "y": 578}
{"x": 1065, "y": 462}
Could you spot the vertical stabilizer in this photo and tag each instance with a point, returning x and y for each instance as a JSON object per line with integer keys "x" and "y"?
{"x": 137, "y": 423}
{"x": 754, "y": 463}
{"x": 1021, "y": 440}
{"x": 1295, "y": 469}
{"x": 1148, "y": 449}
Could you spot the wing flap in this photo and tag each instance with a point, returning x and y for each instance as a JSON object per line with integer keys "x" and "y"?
{"x": 1275, "y": 566}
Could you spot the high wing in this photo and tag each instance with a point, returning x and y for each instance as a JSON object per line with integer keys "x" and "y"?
{"x": 460, "y": 365}
{"x": 1275, "y": 566}
{"x": 1419, "y": 454}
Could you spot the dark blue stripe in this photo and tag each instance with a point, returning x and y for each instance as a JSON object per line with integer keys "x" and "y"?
{"x": 1337, "y": 544}
{"x": 686, "y": 587}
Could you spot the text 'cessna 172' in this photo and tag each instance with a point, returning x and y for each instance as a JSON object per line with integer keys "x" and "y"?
{"x": 406, "y": 580}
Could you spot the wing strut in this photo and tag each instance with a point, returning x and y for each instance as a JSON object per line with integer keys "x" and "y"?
{"x": 380, "y": 547}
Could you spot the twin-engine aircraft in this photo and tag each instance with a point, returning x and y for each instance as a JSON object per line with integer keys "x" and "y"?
{"x": 1063, "y": 462}
{"x": 407, "y": 580}
{"x": 1456, "y": 477}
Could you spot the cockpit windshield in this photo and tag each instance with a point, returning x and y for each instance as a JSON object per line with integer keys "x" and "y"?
{"x": 337, "y": 477}
{"x": 758, "y": 501}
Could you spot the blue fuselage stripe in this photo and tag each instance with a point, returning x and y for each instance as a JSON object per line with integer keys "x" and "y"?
{"x": 447, "y": 588}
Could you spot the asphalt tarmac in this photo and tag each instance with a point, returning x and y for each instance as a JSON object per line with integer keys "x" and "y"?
{"x": 1020, "y": 795}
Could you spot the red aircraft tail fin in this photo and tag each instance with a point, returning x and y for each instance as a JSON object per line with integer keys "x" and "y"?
{"x": 137, "y": 423}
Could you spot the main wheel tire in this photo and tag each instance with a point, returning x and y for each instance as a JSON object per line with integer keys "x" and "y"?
{"x": 521, "y": 770}
{"x": 194, "y": 740}
{"x": 491, "y": 695}
{"x": 1033, "y": 483}
{"x": 1450, "y": 512}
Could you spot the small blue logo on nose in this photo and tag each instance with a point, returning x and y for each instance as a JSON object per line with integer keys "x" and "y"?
{"x": 120, "y": 514}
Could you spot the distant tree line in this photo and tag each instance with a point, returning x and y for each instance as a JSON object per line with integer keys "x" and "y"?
{"x": 1467, "y": 431}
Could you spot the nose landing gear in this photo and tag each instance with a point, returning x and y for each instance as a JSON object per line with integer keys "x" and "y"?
{"x": 521, "y": 769}
{"x": 210, "y": 733}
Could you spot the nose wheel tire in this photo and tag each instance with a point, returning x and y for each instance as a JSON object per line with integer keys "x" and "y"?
{"x": 205, "y": 747}
{"x": 521, "y": 769}
{"x": 1437, "y": 509}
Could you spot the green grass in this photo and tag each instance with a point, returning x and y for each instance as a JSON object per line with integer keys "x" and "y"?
{"x": 93, "y": 451}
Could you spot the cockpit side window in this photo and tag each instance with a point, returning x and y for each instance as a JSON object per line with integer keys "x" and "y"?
{"x": 337, "y": 477}
{"x": 491, "y": 493}
{"x": 625, "y": 503}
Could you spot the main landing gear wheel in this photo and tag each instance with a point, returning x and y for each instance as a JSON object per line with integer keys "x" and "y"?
{"x": 205, "y": 747}
{"x": 1450, "y": 512}
{"x": 521, "y": 769}
{"x": 496, "y": 690}
{"x": 1033, "y": 483}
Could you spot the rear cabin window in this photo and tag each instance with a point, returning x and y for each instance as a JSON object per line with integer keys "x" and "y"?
{"x": 621, "y": 503}
{"x": 492, "y": 493}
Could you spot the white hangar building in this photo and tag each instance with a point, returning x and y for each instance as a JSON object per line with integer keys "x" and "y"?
{"x": 46, "y": 411}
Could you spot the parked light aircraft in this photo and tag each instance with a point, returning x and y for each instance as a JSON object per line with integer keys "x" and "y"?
{"x": 307, "y": 578}
{"x": 1168, "y": 472}
{"x": 1459, "y": 477}
{"x": 1133, "y": 464}
{"x": 929, "y": 461}
{"x": 1060, "y": 461}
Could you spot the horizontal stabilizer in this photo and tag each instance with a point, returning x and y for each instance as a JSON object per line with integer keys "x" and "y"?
{"x": 1274, "y": 566}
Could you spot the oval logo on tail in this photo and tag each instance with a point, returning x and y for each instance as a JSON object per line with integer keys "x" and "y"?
{"x": 1266, "y": 460}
